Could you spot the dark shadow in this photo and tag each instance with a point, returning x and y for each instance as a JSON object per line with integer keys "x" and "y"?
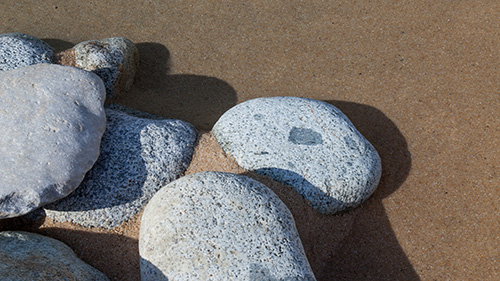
{"x": 58, "y": 45}
{"x": 359, "y": 244}
{"x": 199, "y": 100}
{"x": 372, "y": 251}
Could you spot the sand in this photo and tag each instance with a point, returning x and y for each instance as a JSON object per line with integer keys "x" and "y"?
{"x": 420, "y": 79}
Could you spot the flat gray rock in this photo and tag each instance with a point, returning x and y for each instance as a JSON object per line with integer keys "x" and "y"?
{"x": 28, "y": 256}
{"x": 114, "y": 59}
{"x": 52, "y": 120}
{"x": 18, "y": 49}
{"x": 307, "y": 144}
{"x": 138, "y": 157}
{"x": 219, "y": 226}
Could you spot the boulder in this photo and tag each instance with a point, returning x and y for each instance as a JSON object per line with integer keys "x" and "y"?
{"x": 220, "y": 226}
{"x": 52, "y": 120}
{"x": 307, "y": 144}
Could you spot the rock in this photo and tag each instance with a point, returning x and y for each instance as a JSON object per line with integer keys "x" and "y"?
{"x": 114, "y": 59}
{"x": 52, "y": 120}
{"x": 138, "y": 157}
{"x": 307, "y": 144}
{"x": 33, "y": 257}
{"x": 17, "y": 50}
{"x": 220, "y": 226}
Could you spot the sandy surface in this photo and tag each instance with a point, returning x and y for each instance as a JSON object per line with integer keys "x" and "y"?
{"x": 420, "y": 79}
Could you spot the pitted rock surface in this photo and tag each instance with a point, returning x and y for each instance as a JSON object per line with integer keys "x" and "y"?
{"x": 52, "y": 120}
{"x": 18, "y": 50}
{"x": 138, "y": 157}
{"x": 220, "y": 226}
{"x": 307, "y": 144}
{"x": 113, "y": 59}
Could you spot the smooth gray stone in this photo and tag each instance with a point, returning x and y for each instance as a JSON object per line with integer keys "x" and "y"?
{"x": 220, "y": 226}
{"x": 307, "y": 144}
{"x": 114, "y": 59}
{"x": 138, "y": 157}
{"x": 28, "y": 256}
{"x": 18, "y": 49}
{"x": 52, "y": 120}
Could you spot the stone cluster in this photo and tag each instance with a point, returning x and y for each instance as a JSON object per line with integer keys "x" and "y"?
{"x": 67, "y": 156}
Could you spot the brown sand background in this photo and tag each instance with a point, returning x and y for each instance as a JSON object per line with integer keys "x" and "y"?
{"x": 420, "y": 79}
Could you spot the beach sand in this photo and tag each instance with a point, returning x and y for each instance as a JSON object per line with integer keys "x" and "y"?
{"x": 419, "y": 79}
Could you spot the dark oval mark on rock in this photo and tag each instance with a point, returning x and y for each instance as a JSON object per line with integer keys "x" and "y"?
{"x": 305, "y": 136}
{"x": 258, "y": 116}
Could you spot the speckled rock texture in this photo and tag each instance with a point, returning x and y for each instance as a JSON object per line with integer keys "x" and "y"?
{"x": 52, "y": 120}
{"x": 219, "y": 226}
{"x": 138, "y": 157}
{"x": 28, "y": 256}
{"x": 18, "y": 50}
{"x": 114, "y": 59}
{"x": 307, "y": 144}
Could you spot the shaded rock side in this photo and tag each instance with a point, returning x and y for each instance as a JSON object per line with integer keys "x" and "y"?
{"x": 18, "y": 50}
{"x": 138, "y": 157}
{"x": 28, "y": 256}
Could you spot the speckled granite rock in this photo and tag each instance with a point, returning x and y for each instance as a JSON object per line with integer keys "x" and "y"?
{"x": 52, "y": 120}
{"x": 219, "y": 226}
{"x": 307, "y": 144}
{"x": 28, "y": 256}
{"x": 138, "y": 157}
{"x": 114, "y": 59}
{"x": 18, "y": 49}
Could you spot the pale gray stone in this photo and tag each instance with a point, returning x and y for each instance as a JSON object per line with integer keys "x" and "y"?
{"x": 52, "y": 120}
{"x": 138, "y": 157}
{"x": 114, "y": 59}
{"x": 307, "y": 144}
{"x": 220, "y": 226}
{"x": 28, "y": 256}
{"x": 18, "y": 49}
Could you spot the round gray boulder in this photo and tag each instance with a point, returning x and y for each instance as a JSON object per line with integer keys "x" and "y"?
{"x": 307, "y": 144}
{"x": 18, "y": 49}
{"x": 52, "y": 120}
{"x": 28, "y": 256}
{"x": 139, "y": 155}
{"x": 220, "y": 226}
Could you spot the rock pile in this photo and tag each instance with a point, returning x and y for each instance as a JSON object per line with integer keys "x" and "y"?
{"x": 66, "y": 155}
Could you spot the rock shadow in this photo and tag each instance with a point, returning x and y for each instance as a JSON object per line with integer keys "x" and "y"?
{"x": 58, "y": 45}
{"x": 197, "y": 99}
{"x": 359, "y": 244}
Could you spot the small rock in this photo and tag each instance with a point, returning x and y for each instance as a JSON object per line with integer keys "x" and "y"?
{"x": 220, "y": 226}
{"x": 114, "y": 59}
{"x": 307, "y": 144}
{"x": 17, "y": 50}
{"x": 138, "y": 157}
{"x": 52, "y": 120}
{"x": 33, "y": 257}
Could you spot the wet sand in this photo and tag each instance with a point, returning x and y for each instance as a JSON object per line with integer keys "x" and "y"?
{"x": 418, "y": 79}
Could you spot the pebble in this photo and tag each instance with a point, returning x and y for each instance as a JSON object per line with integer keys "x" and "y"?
{"x": 114, "y": 59}
{"x": 33, "y": 257}
{"x": 307, "y": 144}
{"x": 18, "y": 50}
{"x": 138, "y": 157}
{"x": 52, "y": 120}
{"x": 220, "y": 226}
